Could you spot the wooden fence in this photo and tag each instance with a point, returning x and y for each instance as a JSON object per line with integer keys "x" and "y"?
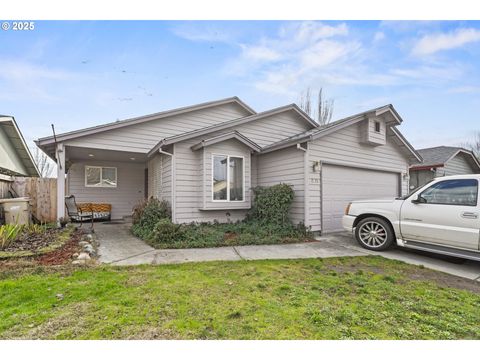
{"x": 42, "y": 193}
{"x": 4, "y": 186}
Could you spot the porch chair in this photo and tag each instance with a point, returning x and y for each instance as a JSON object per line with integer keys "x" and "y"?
{"x": 74, "y": 213}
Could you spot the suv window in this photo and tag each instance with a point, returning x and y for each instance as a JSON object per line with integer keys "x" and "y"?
{"x": 452, "y": 192}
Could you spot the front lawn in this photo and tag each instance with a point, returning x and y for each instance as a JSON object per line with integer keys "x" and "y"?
{"x": 355, "y": 298}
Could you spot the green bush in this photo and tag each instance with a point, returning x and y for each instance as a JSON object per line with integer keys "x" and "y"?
{"x": 266, "y": 223}
{"x": 147, "y": 214}
{"x": 271, "y": 204}
{"x": 201, "y": 235}
{"x": 166, "y": 233}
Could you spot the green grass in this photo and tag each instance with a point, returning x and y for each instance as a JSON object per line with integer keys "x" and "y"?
{"x": 342, "y": 298}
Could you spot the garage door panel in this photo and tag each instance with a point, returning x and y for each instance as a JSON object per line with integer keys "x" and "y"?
{"x": 343, "y": 184}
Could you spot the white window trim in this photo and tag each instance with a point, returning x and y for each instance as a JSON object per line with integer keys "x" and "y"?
{"x": 101, "y": 177}
{"x": 228, "y": 179}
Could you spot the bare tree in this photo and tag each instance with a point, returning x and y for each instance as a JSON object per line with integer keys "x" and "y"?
{"x": 474, "y": 144}
{"x": 44, "y": 164}
{"x": 322, "y": 111}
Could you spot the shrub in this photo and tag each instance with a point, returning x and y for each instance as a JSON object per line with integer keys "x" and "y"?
{"x": 166, "y": 232}
{"x": 271, "y": 204}
{"x": 147, "y": 214}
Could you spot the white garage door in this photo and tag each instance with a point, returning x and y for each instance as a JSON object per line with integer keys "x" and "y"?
{"x": 343, "y": 184}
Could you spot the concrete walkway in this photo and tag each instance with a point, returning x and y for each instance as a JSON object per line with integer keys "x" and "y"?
{"x": 117, "y": 246}
{"x": 117, "y": 243}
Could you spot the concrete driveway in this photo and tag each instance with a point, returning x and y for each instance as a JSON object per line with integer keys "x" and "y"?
{"x": 117, "y": 246}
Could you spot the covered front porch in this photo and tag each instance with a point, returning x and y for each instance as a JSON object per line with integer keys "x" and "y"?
{"x": 99, "y": 176}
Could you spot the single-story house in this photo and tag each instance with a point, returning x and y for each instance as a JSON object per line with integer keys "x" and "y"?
{"x": 205, "y": 159}
{"x": 442, "y": 161}
{"x": 15, "y": 157}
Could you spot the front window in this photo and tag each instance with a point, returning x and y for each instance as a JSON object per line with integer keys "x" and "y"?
{"x": 98, "y": 176}
{"x": 228, "y": 178}
{"x": 452, "y": 192}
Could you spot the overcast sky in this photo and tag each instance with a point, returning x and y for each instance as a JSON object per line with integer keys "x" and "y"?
{"x": 79, "y": 74}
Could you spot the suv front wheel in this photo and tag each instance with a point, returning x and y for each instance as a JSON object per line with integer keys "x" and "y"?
{"x": 374, "y": 233}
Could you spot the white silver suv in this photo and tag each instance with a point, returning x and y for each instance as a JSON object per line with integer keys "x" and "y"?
{"x": 441, "y": 216}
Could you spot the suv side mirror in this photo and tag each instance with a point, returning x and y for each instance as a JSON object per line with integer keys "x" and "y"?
{"x": 419, "y": 200}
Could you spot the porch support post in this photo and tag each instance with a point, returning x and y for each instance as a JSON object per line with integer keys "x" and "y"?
{"x": 60, "y": 153}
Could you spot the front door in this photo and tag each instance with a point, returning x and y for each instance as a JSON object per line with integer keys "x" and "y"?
{"x": 447, "y": 214}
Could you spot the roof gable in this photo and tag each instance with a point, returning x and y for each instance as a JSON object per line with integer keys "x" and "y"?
{"x": 438, "y": 156}
{"x": 227, "y": 136}
{"x": 387, "y": 112}
{"x": 229, "y": 124}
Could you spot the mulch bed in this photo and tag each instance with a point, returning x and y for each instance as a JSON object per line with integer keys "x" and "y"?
{"x": 64, "y": 254}
{"x": 32, "y": 242}
{"x": 33, "y": 249}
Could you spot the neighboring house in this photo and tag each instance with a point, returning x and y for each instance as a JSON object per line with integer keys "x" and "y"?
{"x": 205, "y": 159}
{"x": 15, "y": 157}
{"x": 442, "y": 161}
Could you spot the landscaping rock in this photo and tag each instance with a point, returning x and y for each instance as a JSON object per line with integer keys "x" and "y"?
{"x": 59, "y": 296}
{"x": 75, "y": 255}
{"x": 83, "y": 243}
{"x": 83, "y": 256}
{"x": 89, "y": 249}
{"x": 88, "y": 237}
{"x": 79, "y": 262}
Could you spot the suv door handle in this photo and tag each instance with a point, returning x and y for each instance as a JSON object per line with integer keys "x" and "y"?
{"x": 469, "y": 215}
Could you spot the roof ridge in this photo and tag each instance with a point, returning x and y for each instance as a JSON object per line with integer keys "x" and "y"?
{"x": 147, "y": 117}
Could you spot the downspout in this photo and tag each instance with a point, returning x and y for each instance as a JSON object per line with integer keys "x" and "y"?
{"x": 173, "y": 178}
{"x": 305, "y": 184}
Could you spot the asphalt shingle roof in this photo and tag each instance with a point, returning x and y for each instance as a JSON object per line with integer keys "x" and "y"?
{"x": 437, "y": 155}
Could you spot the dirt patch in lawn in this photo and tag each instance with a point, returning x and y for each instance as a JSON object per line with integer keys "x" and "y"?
{"x": 71, "y": 318}
{"x": 417, "y": 273}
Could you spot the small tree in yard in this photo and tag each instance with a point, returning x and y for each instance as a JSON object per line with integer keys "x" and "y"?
{"x": 321, "y": 111}
{"x": 474, "y": 144}
{"x": 44, "y": 164}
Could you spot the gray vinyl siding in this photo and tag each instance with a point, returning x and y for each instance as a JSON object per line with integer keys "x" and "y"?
{"x": 273, "y": 128}
{"x": 154, "y": 176}
{"x": 285, "y": 166}
{"x": 143, "y": 137}
{"x": 129, "y": 190}
{"x": 344, "y": 147}
{"x": 193, "y": 168}
{"x": 166, "y": 173}
{"x": 193, "y": 191}
{"x": 160, "y": 177}
{"x": 456, "y": 166}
